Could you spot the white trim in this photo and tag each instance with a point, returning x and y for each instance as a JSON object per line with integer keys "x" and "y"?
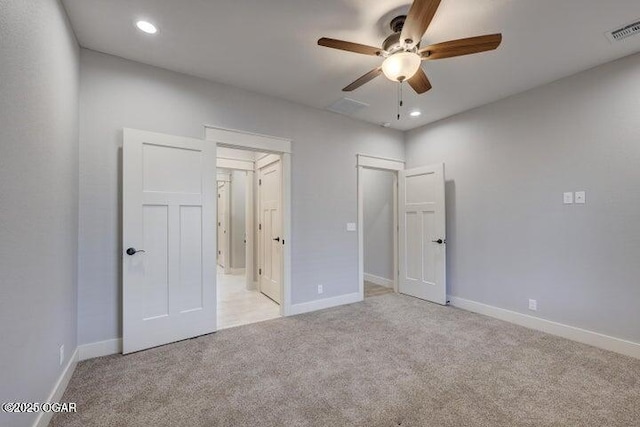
{"x": 249, "y": 233}
{"x": 266, "y": 161}
{"x": 237, "y": 164}
{"x": 223, "y": 177}
{"x": 382, "y": 281}
{"x": 43, "y": 418}
{"x": 321, "y": 304}
{"x": 396, "y": 240}
{"x": 371, "y": 162}
{"x": 282, "y": 146}
{"x": 286, "y": 235}
{"x": 374, "y": 162}
{"x": 236, "y": 138}
{"x": 237, "y": 271}
{"x": 99, "y": 349}
{"x": 606, "y": 342}
{"x": 227, "y": 225}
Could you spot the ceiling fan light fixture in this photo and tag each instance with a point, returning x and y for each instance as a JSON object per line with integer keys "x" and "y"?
{"x": 146, "y": 27}
{"x": 401, "y": 66}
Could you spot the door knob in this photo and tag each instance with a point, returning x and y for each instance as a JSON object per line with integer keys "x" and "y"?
{"x": 133, "y": 251}
{"x": 277, "y": 239}
{"x": 439, "y": 241}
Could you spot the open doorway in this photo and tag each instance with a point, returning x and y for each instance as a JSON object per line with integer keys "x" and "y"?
{"x": 378, "y": 225}
{"x": 170, "y": 192}
{"x": 378, "y": 216}
{"x": 248, "y": 210}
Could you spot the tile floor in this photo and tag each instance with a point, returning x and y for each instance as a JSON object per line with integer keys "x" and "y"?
{"x": 239, "y": 306}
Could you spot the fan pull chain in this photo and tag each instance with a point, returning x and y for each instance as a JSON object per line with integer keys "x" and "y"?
{"x": 400, "y": 102}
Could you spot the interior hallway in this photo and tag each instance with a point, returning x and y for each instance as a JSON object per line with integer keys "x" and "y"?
{"x": 239, "y": 306}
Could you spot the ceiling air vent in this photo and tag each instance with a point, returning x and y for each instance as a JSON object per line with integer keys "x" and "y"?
{"x": 347, "y": 106}
{"x": 624, "y": 32}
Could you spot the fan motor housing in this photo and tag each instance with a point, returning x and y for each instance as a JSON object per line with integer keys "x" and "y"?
{"x": 393, "y": 43}
{"x": 397, "y": 23}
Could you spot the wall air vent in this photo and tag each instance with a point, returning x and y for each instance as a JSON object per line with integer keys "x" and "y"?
{"x": 624, "y": 32}
{"x": 347, "y": 106}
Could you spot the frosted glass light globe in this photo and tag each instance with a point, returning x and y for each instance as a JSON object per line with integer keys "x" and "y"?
{"x": 147, "y": 27}
{"x": 401, "y": 66}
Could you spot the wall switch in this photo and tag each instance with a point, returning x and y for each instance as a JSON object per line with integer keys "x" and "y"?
{"x": 533, "y": 305}
{"x": 351, "y": 226}
{"x": 61, "y": 354}
{"x": 581, "y": 197}
{"x": 568, "y": 198}
{"x": 320, "y": 289}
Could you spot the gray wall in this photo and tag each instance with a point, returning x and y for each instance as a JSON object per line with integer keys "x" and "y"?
{"x": 238, "y": 205}
{"x": 378, "y": 222}
{"x": 38, "y": 199}
{"x": 116, "y": 93}
{"x": 509, "y": 236}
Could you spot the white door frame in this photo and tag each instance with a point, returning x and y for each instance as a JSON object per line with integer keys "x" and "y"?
{"x": 247, "y": 166}
{"x": 364, "y": 161}
{"x": 268, "y": 144}
{"x": 226, "y": 179}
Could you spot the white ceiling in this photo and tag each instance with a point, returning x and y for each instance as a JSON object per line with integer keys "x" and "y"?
{"x": 270, "y": 46}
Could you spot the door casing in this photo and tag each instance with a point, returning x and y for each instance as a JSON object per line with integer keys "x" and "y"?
{"x": 225, "y": 180}
{"x": 364, "y": 161}
{"x": 268, "y": 144}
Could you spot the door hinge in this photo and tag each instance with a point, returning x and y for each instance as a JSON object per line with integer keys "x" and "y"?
{"x": 260, "y": 271}
{"x": 218, "y": 196}
{"x": 219, "y": 252}
{"x": 259, "y": 226}
{"x": 259, "y": 182}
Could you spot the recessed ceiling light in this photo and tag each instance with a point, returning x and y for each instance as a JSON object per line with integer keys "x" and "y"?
{"x": 147, "y": 27}
{"x": 415, "y": 113}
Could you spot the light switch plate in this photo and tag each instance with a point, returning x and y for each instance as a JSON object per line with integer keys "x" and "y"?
{"x": 581, "y": 197}
{"x": 568, "y": 198}
{"x": 351, "y": 226}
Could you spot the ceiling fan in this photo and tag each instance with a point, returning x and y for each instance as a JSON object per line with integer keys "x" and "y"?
{"x": 402, "y": 52}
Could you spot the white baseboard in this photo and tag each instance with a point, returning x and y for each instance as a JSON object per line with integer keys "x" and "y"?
{"x": 320, "y": 304}
{"x": 44, "y": 418}
{"x": 99, "y": 349}
{"x": 382, "y": 281}
{"x": 606, "y": 342}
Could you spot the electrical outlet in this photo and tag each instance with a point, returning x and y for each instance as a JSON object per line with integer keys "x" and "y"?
{"x": 61, "y": 354}
{"x": 320, "y": 289}
{"x": 533, "y": 305}
{"x": 581, "y": 197}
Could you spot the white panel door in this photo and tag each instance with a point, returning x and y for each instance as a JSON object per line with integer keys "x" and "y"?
{"x": 169, "y": 209}
{"x": 421, "y": 212}
{"x": 270, "y": 230}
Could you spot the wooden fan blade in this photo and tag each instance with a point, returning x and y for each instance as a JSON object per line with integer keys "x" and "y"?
{"x": 419, "y": 82}
{"x": 364, "y": 79}
{"x": 461, "y": 47}
{"x": 350, "y": 47}
{"x": 418, "y": 19}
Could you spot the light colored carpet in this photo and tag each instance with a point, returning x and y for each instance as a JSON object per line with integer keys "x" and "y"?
{"x": 388, "y": 361}
{"x": 373, "y": 290}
